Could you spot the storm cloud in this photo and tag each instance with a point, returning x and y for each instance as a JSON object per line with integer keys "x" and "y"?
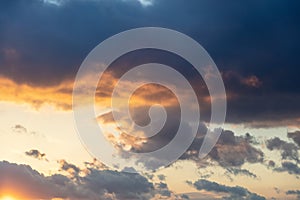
{"x": 254, "y": 44}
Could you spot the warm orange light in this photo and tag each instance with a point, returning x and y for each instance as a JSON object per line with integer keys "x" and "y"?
{"x": 8, "y": 198}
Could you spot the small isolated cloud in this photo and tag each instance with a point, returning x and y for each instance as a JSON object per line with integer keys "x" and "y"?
{"x": 161, "y": 177}
{"x": 19, "y": 129}
{"x": 271, "y": 163}
{"x": 231, "y": 192}
{"x": 36, "y": 154}
{"x": 277, "y": 190}
{"x": 238, "y": 171}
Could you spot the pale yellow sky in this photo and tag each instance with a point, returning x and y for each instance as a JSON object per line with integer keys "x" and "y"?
{"x": 52, "y": 131}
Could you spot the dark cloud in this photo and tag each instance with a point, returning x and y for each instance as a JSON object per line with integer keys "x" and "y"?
{"x": 271, "y": 163}
{"x": 288, "y": 150}
{"x": 230, "y": 150}
{"x": 125, "y": 185}
{"x": 184, "y": 196}
{"x": 244, "y": 172}
{"x": 295, "y": 136}
{"x": 30, "y": 183}
{"x": 255, "y": 45}
{"x": 161, "y": 177}
{"x": 294, "y": 192}
{"x": 95, "y": 164}
{"x": 289, "y": 167}
{"x": 73, "y": 171}
{"x": 163, "y": 192}
{"x": 36, "y": 154}
{"x": 277, "y": 190}
{"x": 96, "y": 185}
{"x": 162, "y": 138}
{"x": 63, "y": 39}
{"x": 262, "y": 112}
{"x": 233, "y": 192}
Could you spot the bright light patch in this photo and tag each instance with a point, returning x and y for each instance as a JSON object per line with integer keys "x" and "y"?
{"x": 8, "y": 198}
{"x": 146, "y": 2}
{"x": 54, "y": 2}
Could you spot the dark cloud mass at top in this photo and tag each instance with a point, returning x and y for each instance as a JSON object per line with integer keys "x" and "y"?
{"x": 255, "y": 42}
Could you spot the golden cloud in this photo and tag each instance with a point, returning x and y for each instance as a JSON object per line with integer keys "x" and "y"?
{"x": 59, "y": 96}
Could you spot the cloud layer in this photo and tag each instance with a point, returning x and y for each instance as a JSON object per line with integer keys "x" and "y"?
{"x": 94, "y": 185}
{"x": 254, "y": 44}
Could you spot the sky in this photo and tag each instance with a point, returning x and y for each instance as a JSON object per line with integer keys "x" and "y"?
{"x": 255, "y": 46}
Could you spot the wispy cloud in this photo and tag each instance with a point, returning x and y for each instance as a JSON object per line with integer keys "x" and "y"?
{"x": 231, "y": 192}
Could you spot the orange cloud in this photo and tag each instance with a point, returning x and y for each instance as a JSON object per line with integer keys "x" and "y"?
{"x": 151, "y": 94}
{"x": 146, "y": 95}
{"x": 59, "y": 96}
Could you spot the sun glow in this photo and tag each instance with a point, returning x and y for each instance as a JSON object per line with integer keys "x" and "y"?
{"x": 8, "y": 198}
